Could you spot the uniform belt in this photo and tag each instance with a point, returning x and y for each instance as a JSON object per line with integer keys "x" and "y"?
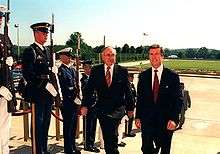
{"x": 43, "y": 77}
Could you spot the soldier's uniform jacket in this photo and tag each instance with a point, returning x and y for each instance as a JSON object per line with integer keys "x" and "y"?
{"x": 36, "y": 70}
{"x": 84, "y": 81}
{"x": 2, "y": 48}
{"x": 67, "y": 80}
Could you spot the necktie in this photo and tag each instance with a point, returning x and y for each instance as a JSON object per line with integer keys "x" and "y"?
{"x": 108, "y": 76}
{"x": 155, "y": 86}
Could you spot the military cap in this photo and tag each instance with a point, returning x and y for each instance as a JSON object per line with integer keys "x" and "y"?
{"x": 66, "y": 51}
{"x": 41, "y": 26}
{"x": 87, "y": 62}
{"x": 3, "y": 9}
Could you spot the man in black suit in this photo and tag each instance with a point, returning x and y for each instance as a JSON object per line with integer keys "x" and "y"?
{"x": 110, "y": 82}
{"x": 37, "y": 68}
{"x": 159, "y": 100}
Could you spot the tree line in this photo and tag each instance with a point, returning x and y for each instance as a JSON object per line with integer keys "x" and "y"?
{"x": 129, "y": 53}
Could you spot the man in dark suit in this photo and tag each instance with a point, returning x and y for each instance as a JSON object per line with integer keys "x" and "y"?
{"x": 110, "y": 81}
{"x": 36, "y": 63}
{"x": 90, "y": 120}
{"x": 158, "y": 106}
{"x": 67, "y": 79}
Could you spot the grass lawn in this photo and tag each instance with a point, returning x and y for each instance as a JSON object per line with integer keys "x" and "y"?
{"x": 196, "y": 66}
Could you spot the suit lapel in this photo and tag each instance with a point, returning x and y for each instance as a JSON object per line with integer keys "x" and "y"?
{"x": 102, "y": 74}
{"x": 114, "y": 77}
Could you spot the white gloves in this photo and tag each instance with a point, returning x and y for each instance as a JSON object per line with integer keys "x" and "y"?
{"x": 77, "y": 101}
{"x": 51, "y": 89}
{"x": 5, "y": 93}
{"x": 55, "y": 69}
{"x": 9, "y": 61}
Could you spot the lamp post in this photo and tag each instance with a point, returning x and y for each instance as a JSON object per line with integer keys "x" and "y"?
{"x": 18, "y": 47}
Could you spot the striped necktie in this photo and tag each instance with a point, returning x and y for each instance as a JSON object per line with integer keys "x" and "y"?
{"x": 108, "y": 76}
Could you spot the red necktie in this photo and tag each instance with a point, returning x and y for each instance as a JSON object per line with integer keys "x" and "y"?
{"x": 155, "y": 86}
{"x": 108, "y": 76}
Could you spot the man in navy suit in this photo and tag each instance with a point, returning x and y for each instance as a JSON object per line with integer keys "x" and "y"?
{"x": 110, "y": 82}
{"x": 159, "y": 101}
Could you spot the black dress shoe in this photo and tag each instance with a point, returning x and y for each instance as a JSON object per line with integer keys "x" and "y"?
{"x": 131, "y": 135}
{"x": 92, "y": 149}
{"x": 122, "y": 144}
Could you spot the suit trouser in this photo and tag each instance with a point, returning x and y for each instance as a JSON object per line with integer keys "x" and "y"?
{"x": 5, "y": 124}
{"x": 155, "y": 137}
{"x": 90, "y": 130}
{"x": 69, "y": 113}
{"x": 43, "y": 108}
{"x": 109, "y": 128}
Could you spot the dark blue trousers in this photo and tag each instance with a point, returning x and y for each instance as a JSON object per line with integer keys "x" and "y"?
{"x": 69, "y": 113}
{"x": 43, "y": 106}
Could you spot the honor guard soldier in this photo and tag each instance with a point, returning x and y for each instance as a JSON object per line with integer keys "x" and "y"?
{"x": 129, "y": 123}
{"x": 5, "y": 94}
{"x": 39, "y": 91}
{"x": 90, "y": 120}
{"x": 67, "y": 80}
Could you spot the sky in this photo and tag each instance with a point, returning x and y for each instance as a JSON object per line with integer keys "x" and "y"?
{"x": 170, "y": 23}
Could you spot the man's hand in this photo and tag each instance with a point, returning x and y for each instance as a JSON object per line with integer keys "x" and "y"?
{"x": 5, "y": 93}
{"x": 55, "y": 69}
{"x": 138, "y": 123}
{"x": 51, "y": 89}
{"x": 171, "y": 125}
{"x": 9, "y": 61}
{"x": 130, "y": 114}
{"x": 83, "y": 111}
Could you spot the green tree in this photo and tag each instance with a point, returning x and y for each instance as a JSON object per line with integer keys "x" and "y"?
{"x": 191, "y": 53}
{"x": 203, "y": 53}
{"x": 85, "y": 52}
{"x": 125, "y": 48}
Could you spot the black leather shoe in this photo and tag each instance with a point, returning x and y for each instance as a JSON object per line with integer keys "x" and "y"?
{"x": 92, "y": 149}
{"x": 131, "y": 135}
{"x": 122, "y": 144}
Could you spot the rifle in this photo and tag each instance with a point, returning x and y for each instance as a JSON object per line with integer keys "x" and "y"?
{"x": 55, "y": 81}
{"x": 78, "y": 99}
{"x": 53, "y": 77}
{"x": 77, "y": 65}
{"x": 7, "y": 69}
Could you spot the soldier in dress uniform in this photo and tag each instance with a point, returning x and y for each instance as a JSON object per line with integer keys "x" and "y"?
{"x": 67, "y": 79}
{"x": 39, "y": 91}
{"x": 129, "y": 123}
{"x": 5, "y": 95}
{"x": 90, "y": 120}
